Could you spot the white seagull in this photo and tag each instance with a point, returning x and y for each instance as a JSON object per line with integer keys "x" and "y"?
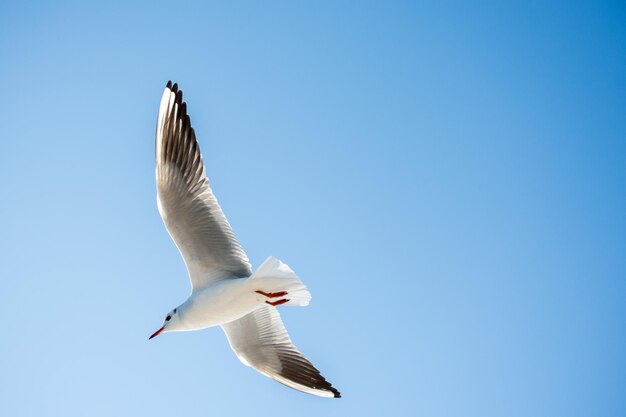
{"x": 225, "y": 291}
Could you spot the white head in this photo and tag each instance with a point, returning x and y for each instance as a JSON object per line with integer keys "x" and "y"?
{"x": 171, "y": 322}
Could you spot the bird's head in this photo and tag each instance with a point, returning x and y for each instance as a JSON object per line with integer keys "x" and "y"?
{"x": 171, "y": 322}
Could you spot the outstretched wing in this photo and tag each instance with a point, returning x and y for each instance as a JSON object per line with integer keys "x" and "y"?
{"x": 187, "y": 205}
{"x": 260, "y": 340}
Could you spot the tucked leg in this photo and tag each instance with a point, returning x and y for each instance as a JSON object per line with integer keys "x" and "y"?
{"x": 277, "y": 303}
{"x": 272, "y": 294}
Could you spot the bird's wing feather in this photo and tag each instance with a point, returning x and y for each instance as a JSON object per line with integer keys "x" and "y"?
{"x": 187, "y": 205}
{"x": 260, "y": 340}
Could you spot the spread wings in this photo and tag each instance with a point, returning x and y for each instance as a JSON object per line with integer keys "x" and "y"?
{"x": 187, "y": 205}
{"x": 260, "y": 340}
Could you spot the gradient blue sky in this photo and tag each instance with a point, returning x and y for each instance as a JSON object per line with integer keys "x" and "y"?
{"x": 448, "y": 178}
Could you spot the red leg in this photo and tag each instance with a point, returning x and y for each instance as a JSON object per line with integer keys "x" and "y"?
{"x": 277, "y": 303}
{"x": 272, "y": 294}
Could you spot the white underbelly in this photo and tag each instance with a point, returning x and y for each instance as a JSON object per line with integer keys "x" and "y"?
{"x": 222, "y": 302}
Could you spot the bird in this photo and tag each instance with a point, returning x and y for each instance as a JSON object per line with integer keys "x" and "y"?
{"x": 225, "y": 291}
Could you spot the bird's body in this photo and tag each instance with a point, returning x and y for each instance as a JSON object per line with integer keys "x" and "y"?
{"x": 229, "y": 299}
{"x": 225, "y": 290}
{"x": 221, "y": 302}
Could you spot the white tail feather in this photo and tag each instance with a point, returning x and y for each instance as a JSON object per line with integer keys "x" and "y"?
{"x": 276, "y": 276}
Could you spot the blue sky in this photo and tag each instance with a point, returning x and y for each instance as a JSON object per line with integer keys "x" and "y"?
{"x": 447, "y": 178}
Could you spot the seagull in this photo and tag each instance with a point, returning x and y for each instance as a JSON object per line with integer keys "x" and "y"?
{"x": 225, "y": 291}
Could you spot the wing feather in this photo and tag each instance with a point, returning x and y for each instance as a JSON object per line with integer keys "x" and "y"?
{"x": 260, "y": 340}
{"x": 186, "y": 203}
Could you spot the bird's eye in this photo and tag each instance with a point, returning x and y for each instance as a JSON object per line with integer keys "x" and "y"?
{"x": 168, "y": 318}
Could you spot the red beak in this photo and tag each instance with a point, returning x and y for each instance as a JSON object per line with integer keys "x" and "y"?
{"x": 157, "y": 333}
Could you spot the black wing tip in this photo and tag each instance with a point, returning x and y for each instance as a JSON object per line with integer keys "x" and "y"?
{"x": 332, "y": 389}
{"x": 173, "y": 87}
{"x": 178, "y": 99}
{"x": 302, "y": 372}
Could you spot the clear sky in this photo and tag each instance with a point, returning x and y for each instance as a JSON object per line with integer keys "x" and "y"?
{"x": 449, "y": 180}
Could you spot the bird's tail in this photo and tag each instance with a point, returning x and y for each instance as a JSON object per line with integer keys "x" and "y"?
{"x": 277, "y": 282}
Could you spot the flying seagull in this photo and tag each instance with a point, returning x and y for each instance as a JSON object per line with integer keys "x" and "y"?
{"x": 225, "y": 291}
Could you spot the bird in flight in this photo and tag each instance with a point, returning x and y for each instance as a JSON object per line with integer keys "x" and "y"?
{"x": 225, "y": 291}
